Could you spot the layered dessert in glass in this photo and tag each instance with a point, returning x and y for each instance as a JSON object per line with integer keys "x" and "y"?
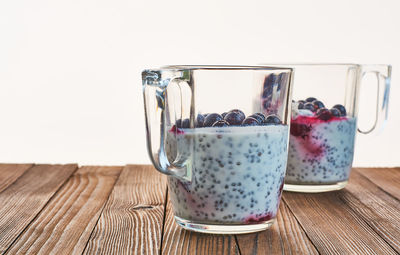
{"x": 238, "y": 167}
{"x": 321, "y": 144}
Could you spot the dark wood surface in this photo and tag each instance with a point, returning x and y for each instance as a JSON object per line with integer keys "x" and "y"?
{"x": 66, "y": 209}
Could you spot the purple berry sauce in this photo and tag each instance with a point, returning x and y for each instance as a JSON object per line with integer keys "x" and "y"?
{"x": 321, "y": 148}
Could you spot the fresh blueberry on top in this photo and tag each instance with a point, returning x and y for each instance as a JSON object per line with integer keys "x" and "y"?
{"x": 258, "y": 116}
{"x": 301, "y": 102}
{"x": 341, "y": 109}
{"x": 318, "y": 104}
{"x": 272, "y": 119}
{"x": 234, "y": 118}
{"x": 310, "y": 99}
{"x": 309, "y": 106}
{"x": 238, "y": 111}
{"x": 186, "y": 123}
{"x": 335, "y": 112}
{"x": 224, "y": 114}
{"x": 250, "y": 121}
{"x": 178, "y": 123}
{"x": 300, "y": 105}
{"x": 199, "y": 120}
{"x": 324, "y": 114}
{"x": 221, "y": 123}
{"x": 211, "y": 119}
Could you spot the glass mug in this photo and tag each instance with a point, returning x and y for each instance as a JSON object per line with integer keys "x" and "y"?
{"x": 324, "y": 122}
{"x": 224, "y": 158}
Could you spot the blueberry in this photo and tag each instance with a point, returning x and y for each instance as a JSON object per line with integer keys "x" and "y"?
{"x": 239, "y": 112}
{"x": 234, "y": 118}
{"x": 211, "y": 119}
{"x": 199, "y": 120}
{"x": 310, "y": 99}
{"x": 335, "y": 112}
{"x": 259, "y": 117}
{"x": 221, "y": 123}
{"x": 324, "y": 114}
{"x": 300, "y": 105}
{"x": 318, "y": 104}
{"x": 341, "y": 109}
{"x": 260, "y": 114}
{"x": 186, "y": 123}
{"x": 224, "y": 114}
{"x": 309, "y": 106}
{"x": 301, "y": 102}
{"x": 178, "y": 123}
{"x": 272, "y": 119}
{"x": 249, "y": 121}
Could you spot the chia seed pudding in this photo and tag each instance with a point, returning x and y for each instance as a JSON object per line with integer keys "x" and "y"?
{"x": 321, "y": 144}
{"x": 237, "y": 172}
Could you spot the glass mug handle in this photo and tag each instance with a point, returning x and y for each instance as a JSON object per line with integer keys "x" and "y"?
{"x": 155, "y": 83}
{"x": 383, "y": 76}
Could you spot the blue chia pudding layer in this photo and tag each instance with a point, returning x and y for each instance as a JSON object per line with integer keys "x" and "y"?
{"x": 237, "y": 172}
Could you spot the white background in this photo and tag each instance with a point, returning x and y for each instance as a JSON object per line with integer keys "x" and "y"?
{"x": 70, "y": 88}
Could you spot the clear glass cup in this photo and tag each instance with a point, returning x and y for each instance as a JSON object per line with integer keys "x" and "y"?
{"x": 324, "y": 122}
{"x": 207, "y": 130}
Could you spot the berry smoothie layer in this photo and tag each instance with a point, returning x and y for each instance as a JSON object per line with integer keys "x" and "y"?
{"x": 321, "y": 145}
{"x": 237, "y": 172}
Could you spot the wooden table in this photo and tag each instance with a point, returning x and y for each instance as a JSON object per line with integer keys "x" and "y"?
{"x": 66, "y": 209}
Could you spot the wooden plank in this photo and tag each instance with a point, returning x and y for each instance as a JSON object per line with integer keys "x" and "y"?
{"x": 176, "y": 240}
{"x": 378, "y": 209}
{"x": 24, "y": 199}
{"x": 65, "y": 224}
{"x": 132, "y": 219}
{"x": 284, "y": 237}
{"x": 387, "y": 179}
{"x": 9, "y": 173}
{"x": 333, "y": 226}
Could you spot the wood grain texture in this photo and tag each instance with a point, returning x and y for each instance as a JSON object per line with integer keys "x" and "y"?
{"x": 333, "y": 226}
{"x": 54, "y": 209}
{"x": 65, "y": 224}
{"x": 131, "y": 221}
{"x": 9, "y": 173}
{"x": 284, "y": 237}
{"x": 378, "y": 209}
{"x": 23, "y": 200}
{"x": 179, "y": 241}
{"x": 388, "y": 179}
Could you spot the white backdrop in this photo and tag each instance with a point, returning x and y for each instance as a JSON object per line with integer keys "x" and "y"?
{"x": 70, "y": 88}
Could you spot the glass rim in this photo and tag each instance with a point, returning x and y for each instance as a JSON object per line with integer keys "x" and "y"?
{"x": 322, "y": 64}
{"x": 312, "y": 64}
{"x": 225, "y": 67}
